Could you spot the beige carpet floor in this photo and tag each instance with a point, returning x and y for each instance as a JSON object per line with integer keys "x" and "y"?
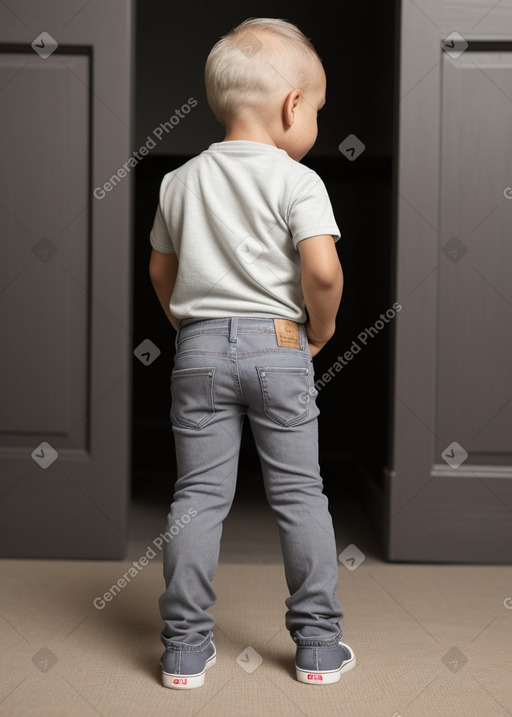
{"x": 429, "y": 639}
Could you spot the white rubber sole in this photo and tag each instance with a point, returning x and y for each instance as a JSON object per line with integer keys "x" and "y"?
{"x": 327, "y": 677}
{"x": 187, "y": 682}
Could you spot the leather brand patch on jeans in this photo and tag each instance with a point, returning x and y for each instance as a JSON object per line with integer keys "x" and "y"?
{"x": 287, "y": 333}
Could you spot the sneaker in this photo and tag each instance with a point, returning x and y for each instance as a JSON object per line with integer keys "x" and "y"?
{"x": 184, "y": 668}
{"x": 323, "y": 665}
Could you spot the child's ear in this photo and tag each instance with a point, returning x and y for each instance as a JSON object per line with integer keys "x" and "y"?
{"x": 290, "y": 104}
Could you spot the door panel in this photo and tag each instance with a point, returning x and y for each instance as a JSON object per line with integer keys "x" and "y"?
{"x": 65, "y": 279}
{"x": 449, "y": 486}
{"x": 475, "y": 291}
{"x": 44, "y": 392}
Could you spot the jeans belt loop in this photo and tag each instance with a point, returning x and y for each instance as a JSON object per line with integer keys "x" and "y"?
{"x": 233, "y": 328}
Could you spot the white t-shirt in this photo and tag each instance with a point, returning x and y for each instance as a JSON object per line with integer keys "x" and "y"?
{"x": 234, "y": 216}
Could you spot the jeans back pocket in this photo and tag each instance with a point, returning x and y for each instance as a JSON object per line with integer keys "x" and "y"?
{"x": 192, "y": 396}
{"x": 285, "y": 393}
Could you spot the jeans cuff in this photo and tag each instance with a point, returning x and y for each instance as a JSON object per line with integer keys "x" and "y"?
{"x": 175, "y": 646}
{"x": 318, "y": 642}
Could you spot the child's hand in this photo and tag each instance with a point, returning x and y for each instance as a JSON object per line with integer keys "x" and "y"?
{"x": 315, "y": 347}
{"x": 316, "y": 342}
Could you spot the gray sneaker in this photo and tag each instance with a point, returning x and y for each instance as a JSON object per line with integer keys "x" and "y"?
{"x": 184, "y": 666}
{"x": 322, "y": 664}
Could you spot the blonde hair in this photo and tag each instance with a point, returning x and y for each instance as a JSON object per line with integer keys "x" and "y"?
{"x": 255, "y": 60}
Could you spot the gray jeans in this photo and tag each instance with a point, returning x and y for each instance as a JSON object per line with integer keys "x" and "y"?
{"x": 225, "y": 369}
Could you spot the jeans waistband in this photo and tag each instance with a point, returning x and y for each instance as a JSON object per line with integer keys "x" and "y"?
{"x": 231, "y": 325}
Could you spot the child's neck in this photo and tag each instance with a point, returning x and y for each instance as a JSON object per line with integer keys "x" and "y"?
{"x": 248, "y": 134}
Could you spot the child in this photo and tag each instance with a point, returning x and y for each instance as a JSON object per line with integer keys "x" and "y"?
{"x": 243, "y": 243}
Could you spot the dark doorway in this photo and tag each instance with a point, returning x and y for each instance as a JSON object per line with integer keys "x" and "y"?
{"x": 356, "y": 42}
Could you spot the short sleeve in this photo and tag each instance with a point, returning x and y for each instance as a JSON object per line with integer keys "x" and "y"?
{"x": 159, "y": 237}
{"x": 310, "y": 212}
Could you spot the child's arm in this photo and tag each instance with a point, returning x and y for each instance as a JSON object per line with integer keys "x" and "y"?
{"x": 163, "y": 270}
{"x": 322, "y": 286}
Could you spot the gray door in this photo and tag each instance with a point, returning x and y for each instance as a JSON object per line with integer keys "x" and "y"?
{"x": 65, "y": 289}
{"x": 450, "y": 485}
